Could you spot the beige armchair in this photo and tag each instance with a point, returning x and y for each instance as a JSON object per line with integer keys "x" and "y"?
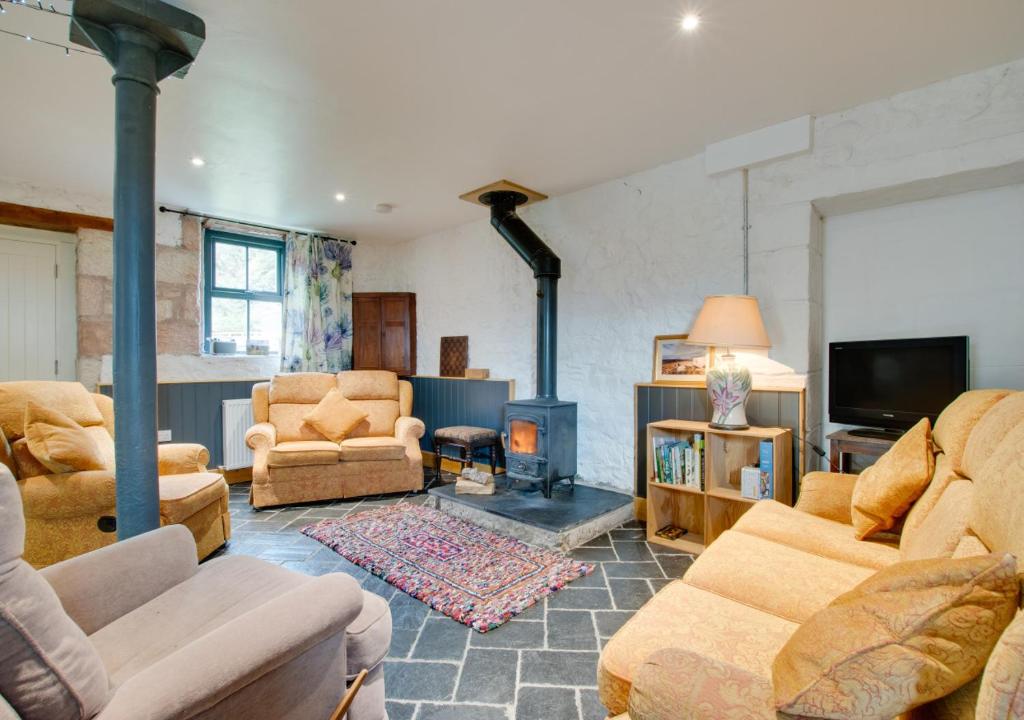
{"x": 71, "y": 513}
{"x": 294, "y": 463}
{"x": 141, "y": 631}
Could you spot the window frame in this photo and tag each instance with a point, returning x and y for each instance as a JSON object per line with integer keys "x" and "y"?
{"x": 210, "y": 290}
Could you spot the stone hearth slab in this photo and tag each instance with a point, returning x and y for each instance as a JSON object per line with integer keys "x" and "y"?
{"x": 566, "y": 521}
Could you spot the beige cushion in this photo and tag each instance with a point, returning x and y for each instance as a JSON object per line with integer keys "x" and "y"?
{"x": 368, "y": 384}
{"x": 728, "y": 631}
{"x": 222, "y": 590}
{"x": 58, "y": 442}
{"x": 48, "y": 668}
{"x": 993, "y": 426}
{"x": 970, "y": 546}
{"x": 1002, "y": 686}
{"x": 105, "y": 444}
{"x": 912, "y": 633}
{"x": 941, "y": 531}
{"x": 335, "y": 416}
{"x": 289, "y": 421}
{"x": 887, "y": 489}
{"x": 466, "y": 434}
{"x": 772, "y": 577}
{"x": 381, "y": 416}
{"x": 70, "y": 398}
{"x": 372, "y": 448}
{"x": 997, "y": 508}
{"x": 954, "y": 425}
{"x": 941, "y": 478}
{"x": 368, "y": 638}
{"x": 304, "y": 388}
{"x": 182, "y": 496}
{"x": 27, "y": 464}
{"x": 303, "y": 452}
{"x": 812, "y": 534}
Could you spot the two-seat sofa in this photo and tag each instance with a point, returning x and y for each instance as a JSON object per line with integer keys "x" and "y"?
{"x": 704, "y": 645}
{"x": 295, "y": 463}
{"x": 71, "y": 513}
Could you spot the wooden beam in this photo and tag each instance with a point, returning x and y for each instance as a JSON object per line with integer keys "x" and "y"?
{"x": 53, "y": 220}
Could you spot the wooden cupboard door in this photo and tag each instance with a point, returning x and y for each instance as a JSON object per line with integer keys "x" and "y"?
{"x": 394, "y": 314}
{"x": 366, "y": 341}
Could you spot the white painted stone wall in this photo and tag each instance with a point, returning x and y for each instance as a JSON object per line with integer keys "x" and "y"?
{"x": 639, "y": 253}
{"x": 949, "y": 265}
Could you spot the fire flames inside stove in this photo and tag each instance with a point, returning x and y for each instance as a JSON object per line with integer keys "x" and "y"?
{"x": 523, "y": 437}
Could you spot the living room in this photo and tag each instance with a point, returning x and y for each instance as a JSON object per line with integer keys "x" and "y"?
{"x": 442, "y": 351}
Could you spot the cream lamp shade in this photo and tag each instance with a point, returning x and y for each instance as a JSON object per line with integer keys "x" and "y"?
{"x": 729, "y": 321}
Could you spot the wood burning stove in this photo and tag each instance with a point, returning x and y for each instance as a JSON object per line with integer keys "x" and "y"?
{"x": 540, "y": 434}
{"x": 540, "y": 441}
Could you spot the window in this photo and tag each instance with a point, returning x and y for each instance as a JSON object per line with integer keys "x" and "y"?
{"x": 242, "y": 283}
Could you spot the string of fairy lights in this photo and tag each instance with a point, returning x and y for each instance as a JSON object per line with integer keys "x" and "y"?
{"x": 49, "y": 9}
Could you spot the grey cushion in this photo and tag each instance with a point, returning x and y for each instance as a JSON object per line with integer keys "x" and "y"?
{"x": 368, "y": 638}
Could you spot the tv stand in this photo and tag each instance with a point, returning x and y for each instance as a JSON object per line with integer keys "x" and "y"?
{"x": 861, "y": 441}
{"x": 877, "y": 433}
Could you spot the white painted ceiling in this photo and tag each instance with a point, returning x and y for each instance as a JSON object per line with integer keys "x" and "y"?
{"x": 412, "y": 102}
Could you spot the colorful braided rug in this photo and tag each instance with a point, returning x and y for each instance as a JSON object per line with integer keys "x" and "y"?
{"x": 473, "y": 575}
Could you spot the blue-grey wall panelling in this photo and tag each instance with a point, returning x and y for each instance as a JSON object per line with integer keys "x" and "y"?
{"x": 193, "y": 412}
{"x": 442, "y": 402}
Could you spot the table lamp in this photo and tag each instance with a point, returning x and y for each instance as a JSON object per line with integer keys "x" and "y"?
{"x": 729, "y": 321}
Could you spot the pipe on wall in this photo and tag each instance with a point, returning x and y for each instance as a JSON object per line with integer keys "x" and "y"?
{"x": 547, "y": 268}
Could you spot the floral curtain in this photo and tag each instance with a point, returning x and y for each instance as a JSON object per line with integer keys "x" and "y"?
{"x": 317, "y": 305}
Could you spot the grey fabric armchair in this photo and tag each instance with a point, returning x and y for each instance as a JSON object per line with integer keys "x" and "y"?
{"x": 235, "y": 637}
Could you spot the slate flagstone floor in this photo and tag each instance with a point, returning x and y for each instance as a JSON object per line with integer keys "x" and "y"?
{"x": 540, "y": 666}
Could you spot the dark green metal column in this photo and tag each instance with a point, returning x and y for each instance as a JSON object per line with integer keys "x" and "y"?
{"x": 145, "y": 41}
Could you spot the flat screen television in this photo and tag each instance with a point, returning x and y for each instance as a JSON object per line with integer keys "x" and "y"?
{"x": 892, "y": 384}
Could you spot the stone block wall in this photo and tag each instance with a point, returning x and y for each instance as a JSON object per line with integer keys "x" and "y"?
{"x": 178, "y": 293}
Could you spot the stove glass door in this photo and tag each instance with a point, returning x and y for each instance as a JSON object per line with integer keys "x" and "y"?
{"x": 523, "y": 437}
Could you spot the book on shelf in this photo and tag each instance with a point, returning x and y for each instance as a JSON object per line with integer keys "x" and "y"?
{"x": 669, "y": 460}
{"x": 766, "y": 487}
{"x": 671, "y": 532}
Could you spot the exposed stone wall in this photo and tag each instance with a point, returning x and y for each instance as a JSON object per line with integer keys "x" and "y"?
{"x": 178, "y": 301}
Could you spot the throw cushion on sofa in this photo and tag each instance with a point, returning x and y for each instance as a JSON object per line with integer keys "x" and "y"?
{"x": 335, "y": 416}
{"x": 1002, "y": 686}
{"x": 58, "y": 442}
{"x": 909, "y": 634}
{"x": 889, "y": 487}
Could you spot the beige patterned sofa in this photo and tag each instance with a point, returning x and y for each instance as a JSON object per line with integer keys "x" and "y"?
{"x": 704, "y": 645}
{"x": 294, "y": 463}
{"x": 65, "y": 511}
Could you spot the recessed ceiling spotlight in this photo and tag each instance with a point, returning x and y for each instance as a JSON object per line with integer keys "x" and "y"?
{"x": 340, "y": 197}
{"x": 690, "y": 22}
{"x": 198, "y": 161}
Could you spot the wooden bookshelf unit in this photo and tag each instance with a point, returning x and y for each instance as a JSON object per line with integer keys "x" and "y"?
{"x": 708, "y": 513}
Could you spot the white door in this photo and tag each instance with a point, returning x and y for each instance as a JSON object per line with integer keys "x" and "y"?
{"x": 31, "y": 312}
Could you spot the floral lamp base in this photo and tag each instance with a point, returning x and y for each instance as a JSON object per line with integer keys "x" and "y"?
{"x": 728, "y": 390}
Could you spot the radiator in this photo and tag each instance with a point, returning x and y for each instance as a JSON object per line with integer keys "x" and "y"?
{"x": 237, "y": 420}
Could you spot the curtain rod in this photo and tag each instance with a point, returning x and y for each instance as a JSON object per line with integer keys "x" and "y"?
{"x": 204, "y": 216}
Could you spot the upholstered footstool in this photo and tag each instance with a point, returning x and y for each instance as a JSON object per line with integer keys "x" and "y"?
{"x": 467, "y": 438}
{"x": 199, "y": 501}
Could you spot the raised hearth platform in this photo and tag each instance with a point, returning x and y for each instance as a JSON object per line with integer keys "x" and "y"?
{"x": 565, "y": 521}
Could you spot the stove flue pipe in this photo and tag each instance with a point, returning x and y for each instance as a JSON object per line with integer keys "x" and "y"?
{"x": 547, "y": 268}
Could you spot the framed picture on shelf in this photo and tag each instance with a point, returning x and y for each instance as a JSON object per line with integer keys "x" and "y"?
{"x": 677, "y": 361}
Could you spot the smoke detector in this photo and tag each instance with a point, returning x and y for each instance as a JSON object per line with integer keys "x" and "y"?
{"x": 384, "y": 208}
